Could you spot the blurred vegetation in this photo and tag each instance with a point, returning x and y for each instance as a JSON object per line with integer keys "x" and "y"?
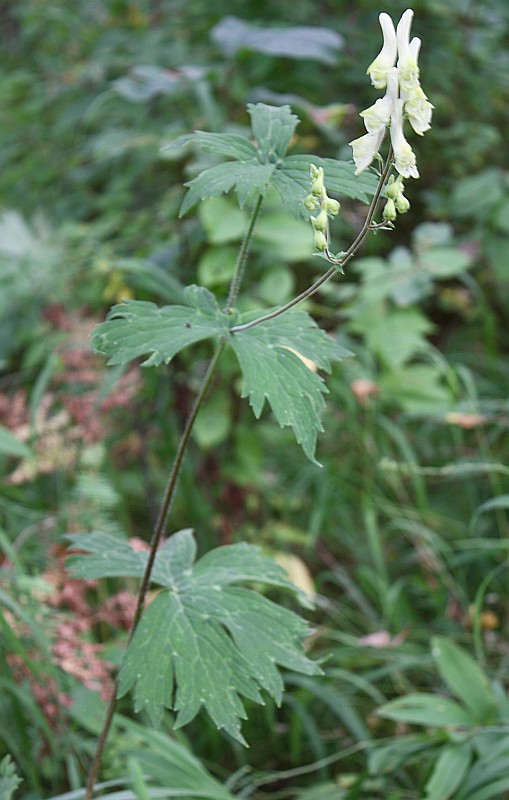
{"x": 403, "y": 533}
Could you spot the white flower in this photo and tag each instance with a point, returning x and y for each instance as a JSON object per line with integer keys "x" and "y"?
{"x": 418, "y": 109}
{"x": 417, "y": 106}
{"x": 386, "y": 58}
{"x": 379, "y": 114}
{"x": 365, "y": 148}
{"x": 404, "y": 156}
{"x": 407, "y": 55}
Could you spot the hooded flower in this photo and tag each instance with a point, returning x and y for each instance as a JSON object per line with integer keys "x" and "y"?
{"x": 386, "y": 58}
{"x": 407, "y": 56}
{"x": 417, "y": 106}
{"x": 365, "y": 148}
{"x": 379, "y": 114}
{"x": 404, "y": 98}
{"x": 404, "y": 156}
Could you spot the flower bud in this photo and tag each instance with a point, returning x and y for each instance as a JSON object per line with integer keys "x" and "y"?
{"x": 395, "y": 187}
{"x": 310, "y": 202}
{"x": 390, "y": 213}
{"x": 318, "y": 187}
{"x": 319, "y": 222}
{"x": 320, "y": 240}
{"x": 331, "y": 206}
{"x": 402, "y": 203}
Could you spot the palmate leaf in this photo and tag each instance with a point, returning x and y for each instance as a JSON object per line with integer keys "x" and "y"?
{"x": 268, "y": 354}
{"x": 257, "y": 165}
{"x": 224, "y": 144}
{"x": 273, "y": 127}
{"x": 272, "y": 370}
{"x": 248, "y": 178}
{"x": 137, "y": 328}
{"x": 204, "y": 640}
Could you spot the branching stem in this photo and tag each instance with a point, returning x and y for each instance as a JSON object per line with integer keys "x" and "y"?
{"x": 338, "y": 262}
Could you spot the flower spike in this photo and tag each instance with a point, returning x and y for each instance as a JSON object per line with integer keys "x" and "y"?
{"x": 404, "y": 99}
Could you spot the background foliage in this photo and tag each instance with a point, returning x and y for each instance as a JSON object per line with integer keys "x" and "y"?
{"x": 403, "y": 533}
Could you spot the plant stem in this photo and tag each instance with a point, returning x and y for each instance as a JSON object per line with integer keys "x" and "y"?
{"x": 241, "y": 258}
{"x": 159, "y": 529}
{"x": 345, "y": 258}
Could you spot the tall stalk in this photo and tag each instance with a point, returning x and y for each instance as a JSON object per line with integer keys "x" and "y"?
{"x": 162, "y": 519}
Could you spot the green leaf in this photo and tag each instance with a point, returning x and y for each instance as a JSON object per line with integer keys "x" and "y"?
{"x": 232, "y": 34}
{"x": 465, "y": 678}
{"x": 401, "y": 750}
{"x": 292, "y": 181}
{"x": 169, "y": 763}
{"x": 445, "y": 262}
{"x": 137, "y": 328}
{"x": 10, "y": 445}
{"x": 204, "y": 640}
{"x": 417, "y": 388}
{"x": 224, "y": 144}
{"x": 395, "y": 335}
{"x": 268, "y": 355}
{"x": 427, "y": 709}
{"x": 223, "y": 221}
{"x": 284, "y": 238}
{"x": 217, "y": 265}
{"x": 248, "y": 178}
{"x": 273, "y": 127}
{"x": 107, "y": 557}
{"x": 449, "y": 770}
{"x": 214, "y": 421}
{"x": 494, "y": 504}
{"x": 207, "y": 642}
{"x": 9, "y": 781}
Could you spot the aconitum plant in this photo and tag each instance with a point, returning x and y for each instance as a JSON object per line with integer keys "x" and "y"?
{"x": 209, "y": 638}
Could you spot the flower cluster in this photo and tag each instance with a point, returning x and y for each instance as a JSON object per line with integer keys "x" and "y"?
{"x": 327, "y": 206}
{"x": 404, "y": 98}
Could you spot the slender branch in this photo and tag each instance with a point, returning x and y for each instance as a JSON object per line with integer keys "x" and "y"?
{"x": 338, "y": 262}
{"x": 241, "y": 258}
{"x": 159, "y": 529}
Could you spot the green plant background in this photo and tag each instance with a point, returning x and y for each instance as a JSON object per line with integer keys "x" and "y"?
{"x": 404, "y": 530}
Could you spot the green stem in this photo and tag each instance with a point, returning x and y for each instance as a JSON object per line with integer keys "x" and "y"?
{"x": 345, "y": 258}
{"x": 159, "y": 529}
{"x": 241, "y": 258}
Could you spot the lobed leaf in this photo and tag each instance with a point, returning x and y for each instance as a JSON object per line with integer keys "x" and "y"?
{"x": 203, "y": 640}
{"x": 224, "y": 144}
{"x": 9, "y": 780}
{"x": 106, "y": 557}
{"x": 137, "y": 328}
{"x": 273, "y": 127}
{"x": 272, "y": 370}
{"x": 248, "y": 178}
